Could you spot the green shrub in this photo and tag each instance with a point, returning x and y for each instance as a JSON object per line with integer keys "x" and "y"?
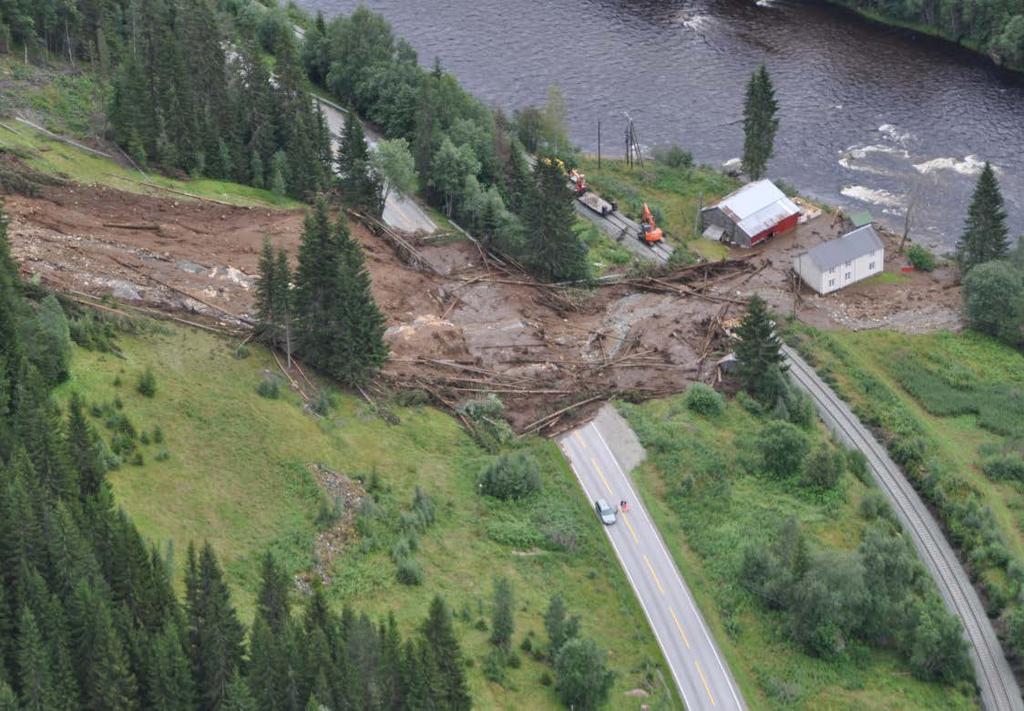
{"x": 515, "y": 533}
{"x": 824, "y": 467}
{"x": 704, "y": 400}
{"x": 782, "y": 448}
{"x": 874, "y": 505}
{"x": 513, "y": 660}
{"x": 674, "y": 157}
{"x": 494, "y": 666}
{"x": 158, "y": 434}
{"x": 329, "y": 512}
{"x": 1009, "y": 466}
{"x": 147, "y": 383}
{"x": 993, "y": 294}
{"x": 511, "y": 476}
{"x": 423, "y": 509}
{"x": 857, "y": 463}
{"x": 409, "y": 572}
{"x": 583, "y": 678}
{"x": 138, "y": 459}
{"x": 322, "y": 403}
{"x": 162, "y": 456}
{"x": 269, "y": 388}
{"x": 921, "y": 259}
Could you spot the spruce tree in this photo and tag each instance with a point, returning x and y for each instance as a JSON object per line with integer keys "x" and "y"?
{"x": 108, "y": 682}
{"x": 760, "y": 123}
{"x": 556, "y": 252}
{"x": 215, "y": 634}
{"x": 446, "y": 656}
{"x": 11, "y": 355}
{"x": 272, "y": 599}
{"x": 238, "y": 697}
{"x": 985, "y": 235}
{"x": 359, "y": 185}
{"x": 503, "y": 619}
{"x": 39, "y": 428}
{"x": 169, "y": 685}
{"x": 340, "y": 328}
{"x": 265, "y": 662}
{"x": 517, "y": 178}
{"x": 320, "y": 668}
{"x": 758, "y": 350}
{"x": 278, "y": 174}
{"x": 8, "y": 701}
{"x": 267, "y": 320}
{"x": 283, "y": 301}
{"x": 419, "y": 677}
{"x": 559, "y": 626}
{"x": 84, "y": 449}
{"x": 35, "y": 674}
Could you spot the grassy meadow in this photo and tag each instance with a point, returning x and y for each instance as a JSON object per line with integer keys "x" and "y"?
{"x": 235, "y": 473}
{"x": 946, "y": 405}
{"x": 698, "y": 486}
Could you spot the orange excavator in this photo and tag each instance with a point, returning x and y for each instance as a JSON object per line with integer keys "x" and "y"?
{"x": 650, "y": 233}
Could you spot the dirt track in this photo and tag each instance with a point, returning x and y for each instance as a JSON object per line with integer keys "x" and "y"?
{"x": 461, "y": 328}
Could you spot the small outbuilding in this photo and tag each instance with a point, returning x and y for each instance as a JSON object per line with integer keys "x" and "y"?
{"x": 843, "y": 261}
{"x": 752, "y": 214}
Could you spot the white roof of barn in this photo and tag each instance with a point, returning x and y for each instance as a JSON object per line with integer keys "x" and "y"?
{"x": 863, "y": 240}
{"x": 757, "y": 206}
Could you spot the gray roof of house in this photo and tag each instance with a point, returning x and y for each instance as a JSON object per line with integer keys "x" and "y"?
{"x": 861, "y": 241}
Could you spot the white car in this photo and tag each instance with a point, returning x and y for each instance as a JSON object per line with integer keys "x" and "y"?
{"x": 604, "y": 512}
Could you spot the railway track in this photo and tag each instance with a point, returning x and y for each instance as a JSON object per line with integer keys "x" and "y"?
{"x": 999, "y": 689}
{"x": 625, "y": 231}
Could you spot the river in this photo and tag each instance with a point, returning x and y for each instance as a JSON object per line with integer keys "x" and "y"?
{"x": 871, "y": 117}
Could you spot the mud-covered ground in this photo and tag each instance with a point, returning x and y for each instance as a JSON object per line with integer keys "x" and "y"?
{"x": 461, "y": 328}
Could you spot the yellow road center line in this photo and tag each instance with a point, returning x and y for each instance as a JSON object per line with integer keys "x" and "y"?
{"x": 706, "y": 687}
{"x": 680, "y": 628}
{"x": 654, "y": 575}
{"x": 625, "y": 517}
{"x": 593, "y": 460}
{"x": 579, "y": 438}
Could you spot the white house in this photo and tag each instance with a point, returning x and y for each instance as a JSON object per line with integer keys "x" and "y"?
{"x": 843, "y": 261}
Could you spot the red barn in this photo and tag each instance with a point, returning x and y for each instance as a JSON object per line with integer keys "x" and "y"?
{"x": 754, "y": 213}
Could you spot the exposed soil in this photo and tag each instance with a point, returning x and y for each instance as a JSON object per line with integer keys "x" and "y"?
{"x": 348, "y": 496}
{"x": 460, "y": 327}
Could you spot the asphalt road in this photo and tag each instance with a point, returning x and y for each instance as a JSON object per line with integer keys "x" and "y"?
{"x": 998, "y": 686}
{"x": 695, "y": 662}
{"x": 400, "y": 212}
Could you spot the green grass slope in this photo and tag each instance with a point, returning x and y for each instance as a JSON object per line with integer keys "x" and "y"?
{"x": 709, "y": 508}
{"x": 949, "y": 401}
{"x": 237, "y": 475}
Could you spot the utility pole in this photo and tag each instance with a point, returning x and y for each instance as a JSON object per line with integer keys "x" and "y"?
{"x": 599, "y": 144}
